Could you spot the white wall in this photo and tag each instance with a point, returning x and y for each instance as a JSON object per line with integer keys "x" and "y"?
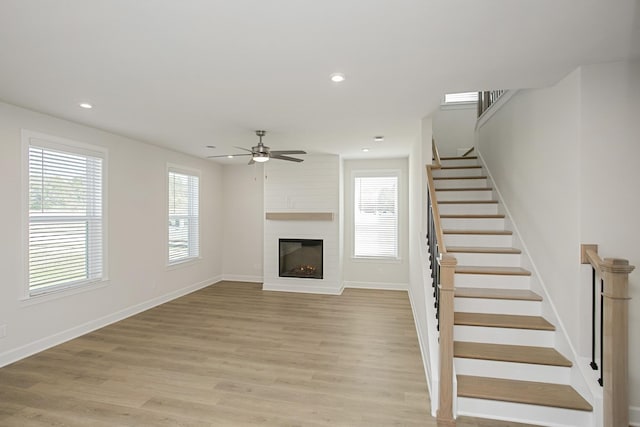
{"x": 610, "y": 175}
{"x": 565, "y": 159}
{"x": 374, "y": 273}
{"x": 419, "y": 278}
{"x": 243, "y": 220}
{"x": 454, "y": 128}
{"x": 531, "y": 148}
{"x": 137, "y": 228}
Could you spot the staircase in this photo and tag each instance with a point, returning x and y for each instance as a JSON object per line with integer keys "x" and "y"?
{"x": 504, "y": 358}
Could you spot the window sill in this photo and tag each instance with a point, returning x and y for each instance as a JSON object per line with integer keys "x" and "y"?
{"x": 183, "y": 263}
{"x": 384, "y": 260}
{"x": 54, "y": 294}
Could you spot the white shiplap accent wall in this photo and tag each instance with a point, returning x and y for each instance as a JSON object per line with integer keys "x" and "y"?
{"x": 310, "y": 186}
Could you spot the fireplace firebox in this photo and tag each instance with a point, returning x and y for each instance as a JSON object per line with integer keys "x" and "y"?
{"x": 301, "y": 258}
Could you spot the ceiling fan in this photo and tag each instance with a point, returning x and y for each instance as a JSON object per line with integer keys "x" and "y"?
{"x": 261, "y": 153}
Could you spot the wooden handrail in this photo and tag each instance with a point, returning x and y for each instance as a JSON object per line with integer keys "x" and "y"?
{"x": 469, "y": 151}
{"x": 436, "y": 211}
{"x": 615, "y": 333}
{"x": 437, "y": 164}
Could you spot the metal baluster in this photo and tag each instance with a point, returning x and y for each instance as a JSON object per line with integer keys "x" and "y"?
{"x": 593, "y": 363}
{"x": 601, "y": 379}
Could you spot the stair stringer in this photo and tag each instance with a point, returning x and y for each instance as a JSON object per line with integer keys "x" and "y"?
{"x": 578, "y": 380}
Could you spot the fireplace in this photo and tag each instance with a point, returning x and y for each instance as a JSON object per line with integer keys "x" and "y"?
{"x": 301, "y": 258}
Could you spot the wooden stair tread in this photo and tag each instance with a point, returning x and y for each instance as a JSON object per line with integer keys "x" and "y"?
{"x": 458, "y": 158}
{"x": 473, "y": 216}
{"x": 461, "y": 167}
{"x": 487, "y": 232}
{"x": 470, "y": 202}
{"x": 497, "y": 293}
{"x": 527, "y": 392}
{"x": 502, "y": 271}
{"x": 458, "y": 177}
{"x": 465, "y": 189}
{"x": 482, "y": 250}
{"x": 509, "y": 321}
{"x": 510, "y": 353}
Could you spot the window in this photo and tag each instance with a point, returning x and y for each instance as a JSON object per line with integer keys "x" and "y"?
{"x": 461, "y": 97}
{"x": 184, "y": 240}
{"x": 65, "y": 204}
{"x": 375, "y": 215}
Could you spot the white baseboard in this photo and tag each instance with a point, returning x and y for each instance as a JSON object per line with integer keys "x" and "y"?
{"x": 377, "y": 285}
{"x": 634, "y": 416}
{"x": 27, "y": 350}
{"x": 306, "y": 289}
{"x": 242, "y": 278}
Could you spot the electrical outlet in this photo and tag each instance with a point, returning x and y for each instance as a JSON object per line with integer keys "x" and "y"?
{"x": 3, "y": 331}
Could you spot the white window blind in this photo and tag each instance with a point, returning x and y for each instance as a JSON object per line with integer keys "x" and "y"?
{"x": 65, "y": 216}
{"x": 456, "y": 98}
{"x": 376, "y": 216}
{"x": 184, "y": 241}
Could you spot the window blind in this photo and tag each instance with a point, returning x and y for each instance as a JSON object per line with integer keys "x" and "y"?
{"x": 65, "y": 217}
{"x": 453, "y": 98}
{"x": 184, "y": 242}
{"x": 376, "y": 216}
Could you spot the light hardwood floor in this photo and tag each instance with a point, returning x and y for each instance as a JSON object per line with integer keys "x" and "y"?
{"x": 233, "y": 355}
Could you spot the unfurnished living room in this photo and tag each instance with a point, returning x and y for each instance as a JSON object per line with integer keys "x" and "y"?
{"x": 336, "y": 213}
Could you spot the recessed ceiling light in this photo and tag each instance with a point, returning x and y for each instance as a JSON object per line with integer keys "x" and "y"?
{"x": 365, "y": 150}
{"x": 229, "y": 156}
{"x": 337, "y": 77}
{"x": 211, "y": 146}
{"x": 378, "y": 138}
{"x": 86, "y": 105}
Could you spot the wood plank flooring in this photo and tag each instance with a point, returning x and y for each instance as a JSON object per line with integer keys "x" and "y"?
{"x": 230, "y": 355}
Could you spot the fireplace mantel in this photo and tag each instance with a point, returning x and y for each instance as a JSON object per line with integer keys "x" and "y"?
{"x": 299, "y": 216}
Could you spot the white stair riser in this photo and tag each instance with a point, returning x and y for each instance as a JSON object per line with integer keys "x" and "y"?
{"x": 505, "y": 260}
{"x": 460, "y": 183}
{"x": 510, "y": 336}
{"x": 472, "y": 223}
{"x": 464, "y": 195}
{"x": 457, "y": 172}
{"x": 513, "y": 371}
{"x": 523, "y": 413}
{"x": 491, "y": 281}
{"x": 491, "y": 240}
{"x": 468, "y": 208}
{"x": 460, "y": 162}
{"x": 498, "y": 306}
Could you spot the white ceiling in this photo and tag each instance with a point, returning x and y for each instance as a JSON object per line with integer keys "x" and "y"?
{"x": 190, "y": 73}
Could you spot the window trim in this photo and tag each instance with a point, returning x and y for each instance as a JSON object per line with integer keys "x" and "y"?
{"x": 358, "y": 173}
{"x": 43, "y": 140}
{"x": 176, "y": 168}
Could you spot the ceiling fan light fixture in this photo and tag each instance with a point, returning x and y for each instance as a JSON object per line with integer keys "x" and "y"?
{"x": 260, "y": 157}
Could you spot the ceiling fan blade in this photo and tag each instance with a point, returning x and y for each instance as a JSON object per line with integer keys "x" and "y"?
{"x": 280, "y": 157}
{"x": 251, "y": 161}
{"x": 277, "y": 153}
{"x": 242, "y": 148}
{"x": 227, "y": 155}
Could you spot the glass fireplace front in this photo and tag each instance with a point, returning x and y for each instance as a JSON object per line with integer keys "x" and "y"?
{"x": 301, "y": 258}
